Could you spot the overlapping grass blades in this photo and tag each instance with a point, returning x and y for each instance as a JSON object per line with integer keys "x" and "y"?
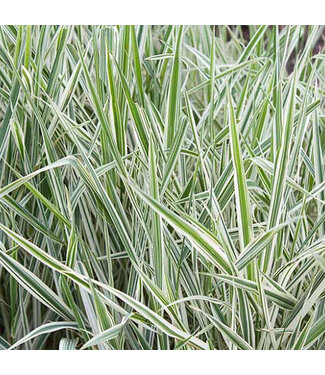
{"x": 161, "y": 187}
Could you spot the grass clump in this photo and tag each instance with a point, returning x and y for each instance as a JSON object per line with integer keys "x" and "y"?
{"x": 161, "y": 187}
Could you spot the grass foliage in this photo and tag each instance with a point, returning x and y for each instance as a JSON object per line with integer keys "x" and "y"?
{"x": 161, "y": 187}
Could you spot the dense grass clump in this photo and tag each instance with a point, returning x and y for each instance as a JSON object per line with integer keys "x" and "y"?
{"x": 162, "y": 187}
